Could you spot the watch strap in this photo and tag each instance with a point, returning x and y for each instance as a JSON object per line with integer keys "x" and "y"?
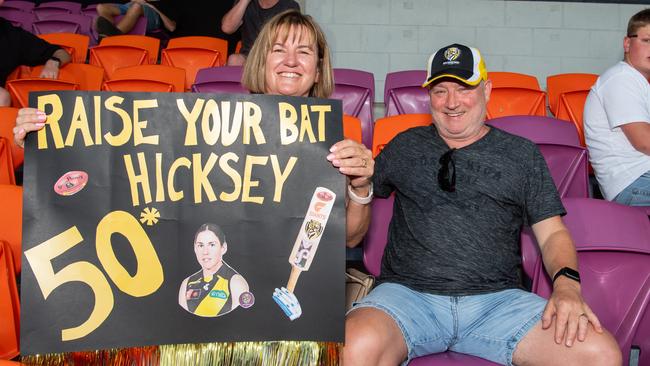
{"x": 567, "y": 272}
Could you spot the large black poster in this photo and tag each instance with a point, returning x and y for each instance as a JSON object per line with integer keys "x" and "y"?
{"x": 158, "y": 218}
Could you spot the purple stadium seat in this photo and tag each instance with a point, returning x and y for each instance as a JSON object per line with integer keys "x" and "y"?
{"x": 357, "y": 91}
{"x": 540, "y": 130}
{"x": 373, "y": 251}
{"x": 84, "y": 22}
{"x": 72, "y": 7}
{"x": 45, "y": 12}
{"x": 403, "y": 93}
{"x": 18, "y": 18}
{"x": 613, "y": 244}
{"x": 559, "y": 143}
{"x": 90, "y": 10}
{"x": 55, "y": 26}
{"x": 222, "y": 79}
{"x": 19, "y": 5}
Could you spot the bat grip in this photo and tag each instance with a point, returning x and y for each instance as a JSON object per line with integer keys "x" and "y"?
{"x": 293, "y": 278}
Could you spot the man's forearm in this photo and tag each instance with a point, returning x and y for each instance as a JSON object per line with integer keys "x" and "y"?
{"x": 234, "y": 17}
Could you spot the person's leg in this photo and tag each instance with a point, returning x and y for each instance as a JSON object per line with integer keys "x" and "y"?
{"x": 373, "y": 338}
{"x": 637, "y": 193}
{"x": 394, "y": 324}
{"x": 236, "y": 59}
{"x": 538, "y": 347}
{"x": 108, "y": 11}
{"x": 5, "y": 98}
{"x": 131, "y": 16}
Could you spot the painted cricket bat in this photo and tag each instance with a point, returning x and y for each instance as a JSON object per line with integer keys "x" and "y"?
{"x": 304, "y": 249}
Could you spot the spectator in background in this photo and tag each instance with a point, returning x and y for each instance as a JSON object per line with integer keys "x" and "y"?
{"x": 160, "y": 16}
{"x": 203, "y": 18}
{"x": 251, "y": 15}
{"x": 617, "y": 120}
{"x": 19, "y": 47}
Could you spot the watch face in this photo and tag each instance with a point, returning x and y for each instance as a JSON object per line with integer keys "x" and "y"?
{"x": 568, "y": 272}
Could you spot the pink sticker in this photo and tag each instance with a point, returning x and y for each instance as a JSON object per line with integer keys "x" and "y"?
{"x": 71, "y": 183}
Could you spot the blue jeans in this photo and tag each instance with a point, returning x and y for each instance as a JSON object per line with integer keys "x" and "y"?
{"x": 489, "y": 326}
{"x": 637, "y": 193}
{"x": 153, "y": 19}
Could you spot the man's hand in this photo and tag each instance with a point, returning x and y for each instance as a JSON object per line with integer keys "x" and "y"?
{"x": 50, "y": 70}
{"x": 572, "y": 314}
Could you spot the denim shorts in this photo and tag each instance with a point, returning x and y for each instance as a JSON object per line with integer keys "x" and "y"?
{"x": 637, "y": 193}
{"x": 487, "y": 325}
{"x": 153, "y": 19}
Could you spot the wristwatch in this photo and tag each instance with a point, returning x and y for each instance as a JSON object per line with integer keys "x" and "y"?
{"x": 54, "y": 58}
{"x": 567, "y": 272}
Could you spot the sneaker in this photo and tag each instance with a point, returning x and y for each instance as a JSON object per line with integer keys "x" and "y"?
{"x": 106, "y": 29}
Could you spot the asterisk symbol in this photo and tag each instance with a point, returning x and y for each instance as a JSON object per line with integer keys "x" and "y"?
{"x": 149, "y": 216}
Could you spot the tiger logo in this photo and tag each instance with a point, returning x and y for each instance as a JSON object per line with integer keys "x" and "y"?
{"x": 452, "y": 53}
{"x": 313, "y": 229}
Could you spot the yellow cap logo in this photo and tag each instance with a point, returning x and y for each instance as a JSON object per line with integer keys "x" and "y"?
{"x": 452, "y": 53}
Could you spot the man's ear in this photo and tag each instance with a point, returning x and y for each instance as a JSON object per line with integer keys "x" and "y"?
{"x": 487, "y": 89}
{"x": 626, "y": 44}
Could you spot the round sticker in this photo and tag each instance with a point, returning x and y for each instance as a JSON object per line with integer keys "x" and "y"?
{"x": 246, "y": 300}
{"x": 324, "y": 196}
{"x": 71, "y": 183}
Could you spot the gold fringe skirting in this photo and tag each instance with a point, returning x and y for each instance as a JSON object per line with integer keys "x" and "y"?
{"x": 206, "y": 354}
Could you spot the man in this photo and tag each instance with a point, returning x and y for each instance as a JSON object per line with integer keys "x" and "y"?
{"x": 160, "y": 16}
{"x": 20, "y": 47}
{"x": 617, "y": 120}
{"x": 251, "y": 15}
{"x": 450, "y": 272}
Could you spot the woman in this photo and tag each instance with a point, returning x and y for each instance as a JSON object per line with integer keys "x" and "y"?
{"x": 216, "y": 288}
{"x": 289, "y": 57}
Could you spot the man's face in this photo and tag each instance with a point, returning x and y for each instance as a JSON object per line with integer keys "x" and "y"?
{"x": 459, "y": 110}
{"x": 637, "y": 51}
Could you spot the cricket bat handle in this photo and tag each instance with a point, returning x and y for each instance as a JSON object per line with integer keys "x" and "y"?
{"x": 293, "y": 278}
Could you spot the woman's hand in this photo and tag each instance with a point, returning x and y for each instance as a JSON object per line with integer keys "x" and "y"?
{"x": 355, "y": 161}
{"x": 27, "y": 120}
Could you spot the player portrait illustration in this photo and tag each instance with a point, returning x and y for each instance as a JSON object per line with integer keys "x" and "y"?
{"x": 216, "y": 289}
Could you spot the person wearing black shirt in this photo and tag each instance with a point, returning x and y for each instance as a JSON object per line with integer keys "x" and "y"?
{"x": 19, "y": 47}
{"x": 160, "y": 14}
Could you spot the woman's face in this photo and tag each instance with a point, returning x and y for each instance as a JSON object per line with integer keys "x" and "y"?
{"x": 291, "y": 66}
{"x": 209, "y": 251}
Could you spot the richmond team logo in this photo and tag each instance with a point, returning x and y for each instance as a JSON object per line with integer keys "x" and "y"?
{"x": 452, "y": 53}
{"x": 313, "y": 229}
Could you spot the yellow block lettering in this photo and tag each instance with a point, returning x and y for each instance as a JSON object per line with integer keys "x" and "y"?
{"x": 248, "y": 183}
{"x": 124, "y": 135}
{"x": 138, "y": 125}
{"x": 190, "y": 119}
{"x": 288, "y": 119}
{"x": 79, "y": 123}
{"x": 52, "y": 121}
{"x": 134, "y": 180}
{"x": 201, "y": 182}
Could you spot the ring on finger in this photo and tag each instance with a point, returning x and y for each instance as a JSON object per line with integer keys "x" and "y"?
{"x": 365, "y": 162}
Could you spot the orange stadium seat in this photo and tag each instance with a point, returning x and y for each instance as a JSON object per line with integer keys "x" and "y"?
{"x": 515, "y": 94}
{"x": 9, "y": 305}
{"x": 191, "y": 60}
{"x": 75, "y": 44}
{"x": 113, "y": 57}
{"x": 570, "y": 108}
{"x": 160, "y": 78}
{"x": 558, "y": 84}
{"x": 388, "y": 127}
{"x": 20, "y": 88}
{"x": 201, "y": 42}
{"x": 11, "y": 220}
{"x": 7, "y": 122}
{"x": 150, "y": 44}
{"x": 503, "y": 79}
{"x": 352, "y": 128}
{"x": 7, "y": 175}
{"x": 511, "y": 101}
{"x": 88, "y": 77}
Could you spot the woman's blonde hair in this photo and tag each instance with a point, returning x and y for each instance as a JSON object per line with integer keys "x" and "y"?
{"x": 279, "y": 27}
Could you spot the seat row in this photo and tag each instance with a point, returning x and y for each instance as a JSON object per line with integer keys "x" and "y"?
{"x": 59, "y": 17}
{"x": 612, "y": 241}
